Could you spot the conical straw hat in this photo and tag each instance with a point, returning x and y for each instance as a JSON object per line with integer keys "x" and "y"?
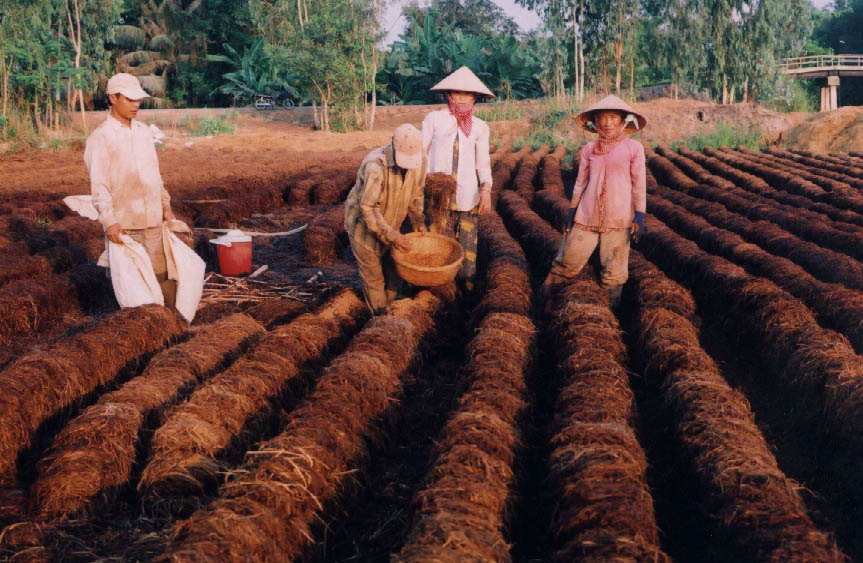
{"x": 462, "y": 80}
{"x": 612, "y": 102}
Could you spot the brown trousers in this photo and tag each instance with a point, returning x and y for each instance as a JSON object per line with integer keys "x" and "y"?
{"x": 577, "y": 248}
{"x": 378, "y": 274}
{"x": 151, "y": 240}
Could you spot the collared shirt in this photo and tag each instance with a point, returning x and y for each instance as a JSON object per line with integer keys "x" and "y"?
{"x": 381, "y": 199}
{"x": 610, "y": 187}
{"x": 125, "y": 180}
{"x": 474, "y": 164}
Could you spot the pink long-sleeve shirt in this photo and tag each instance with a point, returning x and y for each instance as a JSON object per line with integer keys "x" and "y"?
{"x": 610, "y": 187}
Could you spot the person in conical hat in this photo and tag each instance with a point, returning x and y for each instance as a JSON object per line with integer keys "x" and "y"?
{"x": 609, "y": 198}
{"x": 456, "y": 142}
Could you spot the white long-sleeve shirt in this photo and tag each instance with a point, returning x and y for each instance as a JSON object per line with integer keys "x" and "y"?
{"x": 125, "y": 180}
{"x": 439, "y": 131}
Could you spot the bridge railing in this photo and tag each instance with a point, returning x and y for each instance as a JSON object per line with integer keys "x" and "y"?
{"x": 821, "y": 61}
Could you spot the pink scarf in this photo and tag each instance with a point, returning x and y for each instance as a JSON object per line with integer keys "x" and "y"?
{"x": 605, "y": 144}
{"x": 463, "y": 114}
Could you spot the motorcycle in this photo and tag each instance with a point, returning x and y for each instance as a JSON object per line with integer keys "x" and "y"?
{"x": 273, "y": 101}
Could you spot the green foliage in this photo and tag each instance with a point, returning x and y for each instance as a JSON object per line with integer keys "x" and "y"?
{"x": 212, "y": 126}
{"x": 430, "y": 49}
{"x": 252, "y": 73}
{"x": 725, "y": 134}
{"x": 329, "y": 46}
{"x": 795, "y": 95}
{"x": 500, "y": 111}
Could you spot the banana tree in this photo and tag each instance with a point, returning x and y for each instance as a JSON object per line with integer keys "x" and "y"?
{"x": 252, "y": 73}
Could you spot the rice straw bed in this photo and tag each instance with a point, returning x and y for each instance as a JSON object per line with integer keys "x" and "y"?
{"x": 462, "y": 508}
{"x": 46, "y": 381}
{"x": 269, "y": 506}
{"x": 604, "y": 510}
{"x": 757, "y": 507}
{"x": 188, "y": 451}
{"x": 93, "y": 456}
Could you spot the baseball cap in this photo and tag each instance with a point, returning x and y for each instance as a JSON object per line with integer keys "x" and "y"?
{"x": 408, "y": 146}
{"x": 126, "y": 84}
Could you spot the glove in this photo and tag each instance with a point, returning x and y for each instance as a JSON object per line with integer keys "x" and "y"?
{"x": 638, "y": 220}
{"x": 570, "y": 217}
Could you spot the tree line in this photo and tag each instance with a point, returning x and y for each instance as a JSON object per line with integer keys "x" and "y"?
{"x": 56, "y": 55}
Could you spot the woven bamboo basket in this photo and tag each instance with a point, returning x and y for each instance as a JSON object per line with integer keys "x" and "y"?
{"x": 434, "y": 259}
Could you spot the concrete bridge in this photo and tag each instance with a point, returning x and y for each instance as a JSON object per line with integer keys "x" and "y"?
{"x": 831, "y": 67}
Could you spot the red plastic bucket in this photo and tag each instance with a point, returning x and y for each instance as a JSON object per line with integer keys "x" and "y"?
{"x": 234, "y": 250}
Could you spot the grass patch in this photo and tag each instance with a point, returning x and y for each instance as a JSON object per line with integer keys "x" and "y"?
{"x": 506, "y": 110}
{"x": 724, "y": 134}
{"x": 212, "y": 126}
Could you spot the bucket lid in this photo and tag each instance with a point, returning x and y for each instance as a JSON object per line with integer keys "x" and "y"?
{"x": 234, "y": 235}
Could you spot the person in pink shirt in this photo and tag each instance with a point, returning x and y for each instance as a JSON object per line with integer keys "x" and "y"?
{"x": 609, "y": 198}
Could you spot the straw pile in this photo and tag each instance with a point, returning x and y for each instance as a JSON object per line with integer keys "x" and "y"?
{"x": 269, "y": 507}
{"x": 325, "y": 237}
{"x": 220, "y": 418}
{"x": 751, "y": 500}
{"x": 44, "y": 382}
{"x": 439, "y": 190}
{"x": 462, "y": 509}
{"x": 93, "y": 456}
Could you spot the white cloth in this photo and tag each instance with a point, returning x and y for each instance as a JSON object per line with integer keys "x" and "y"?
{"x": 82, "y": 205}
{"x": 132, "y": 274}
{"x": 125, "y": 180}
{"x": 439, "y": 131}
{"x": 185, "y": 266}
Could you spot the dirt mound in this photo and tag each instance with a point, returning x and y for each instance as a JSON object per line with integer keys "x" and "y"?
{"x": 840, "y": 130}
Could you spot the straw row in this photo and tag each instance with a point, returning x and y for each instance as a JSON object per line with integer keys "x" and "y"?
{"x": 269, "y": 506}
{"x": 604, "y": 509}
{"x": 526, "y": 174}
{"x": 816, "y": 367}
{"x": 325, "y": 238}
{"x": 44, "y": 382}
{"x": 824, "y": 264}
{"x": 757, "y": 186}
{"x": 462, "y": 508}
{"x": 834, "y": 169}
{"x": 222, "y": 417}
{"x": 539, "y": 239}
{"x": 782, "y": 201}
{"x": 746, "y": 494}
{"x": 837, "y": 307}
{"x": 789, "y": 181}
{"x": 93, "y": 455}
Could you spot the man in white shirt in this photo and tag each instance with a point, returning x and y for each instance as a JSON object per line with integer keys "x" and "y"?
{"x": 125, "y": 181}
{"x": 456, "y": 142}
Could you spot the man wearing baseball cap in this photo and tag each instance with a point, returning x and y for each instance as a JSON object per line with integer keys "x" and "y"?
{"x": 389, "y": 187}
{"x": 125, "y": 181}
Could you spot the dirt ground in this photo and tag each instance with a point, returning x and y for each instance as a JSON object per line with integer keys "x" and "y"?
{"x": 269, "y": 145}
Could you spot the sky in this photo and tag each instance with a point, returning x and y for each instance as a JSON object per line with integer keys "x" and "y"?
{"x": 527, "y": 20}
